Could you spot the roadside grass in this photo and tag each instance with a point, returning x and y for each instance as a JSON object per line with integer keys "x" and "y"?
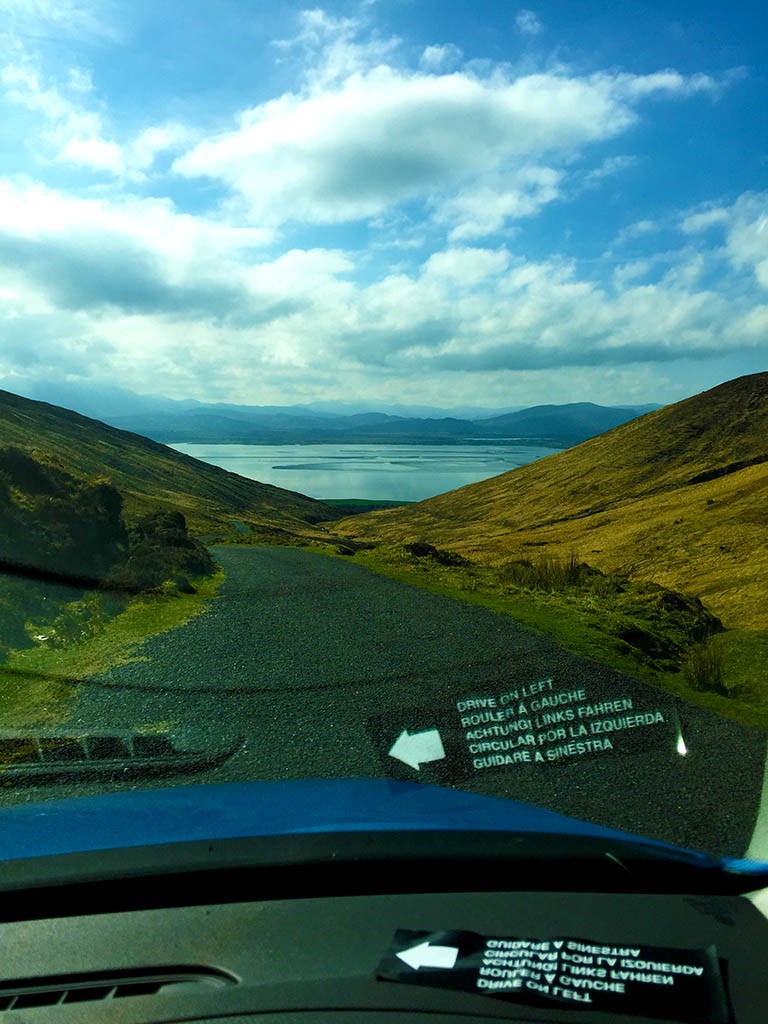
{"x": 35, "y": 684}
{"x": 587, "y": 613}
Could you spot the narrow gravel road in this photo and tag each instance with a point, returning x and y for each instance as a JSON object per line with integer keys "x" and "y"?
{"x": 320, "y": 666}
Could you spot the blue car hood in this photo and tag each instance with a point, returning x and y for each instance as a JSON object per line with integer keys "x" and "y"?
{"x": 246, "y": 809}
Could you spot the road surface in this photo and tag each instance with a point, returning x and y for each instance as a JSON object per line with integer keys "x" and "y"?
{"x": 322, "y": 667}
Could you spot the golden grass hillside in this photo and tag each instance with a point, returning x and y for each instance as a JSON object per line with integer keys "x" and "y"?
{"x": 678, "y": 496}
{"x": 152, "y": 477}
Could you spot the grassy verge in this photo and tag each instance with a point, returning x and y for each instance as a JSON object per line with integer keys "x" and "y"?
{"x": 589, "y": 617}
{"x": 31, "y": 680}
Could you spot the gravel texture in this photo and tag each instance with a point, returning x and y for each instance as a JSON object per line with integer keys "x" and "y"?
{"x": 319, "y": 664}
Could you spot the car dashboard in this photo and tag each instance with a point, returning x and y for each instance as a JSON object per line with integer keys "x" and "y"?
{"x": 372, "y": 928}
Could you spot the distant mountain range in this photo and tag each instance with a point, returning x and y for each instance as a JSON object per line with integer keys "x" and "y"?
{"x": 560, "y": 426}
{"x": 171, "y": 421}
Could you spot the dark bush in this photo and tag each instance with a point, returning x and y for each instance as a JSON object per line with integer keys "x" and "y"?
{"x": 548, "y": 572}
{"x": 654, "y": 646}
{"x": 55, "y": 522}
{"x": 27, "y": 474}
{"x": 182, "y": 584}
{"x": 161, "y": 549}
{"x": 703, "y": 667}
{"x": 420, "y": 549}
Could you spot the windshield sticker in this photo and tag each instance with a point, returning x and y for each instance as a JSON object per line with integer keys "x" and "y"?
{"x": 649, "y": 981}
{"x": 541, "y": 724}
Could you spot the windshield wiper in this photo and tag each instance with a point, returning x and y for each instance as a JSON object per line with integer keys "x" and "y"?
{"x": 32, "y": 760}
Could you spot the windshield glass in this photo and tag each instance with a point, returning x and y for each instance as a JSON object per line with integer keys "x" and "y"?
{"x": 383, "y": 394}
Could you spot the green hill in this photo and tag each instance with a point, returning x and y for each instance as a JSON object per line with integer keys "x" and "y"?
{"x": 678, "y": 497}
{"x": 153, "y": 478}
{"x": 567, "y": 424}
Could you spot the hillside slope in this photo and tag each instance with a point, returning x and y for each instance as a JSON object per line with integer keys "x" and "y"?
{"x": 678, "y": 496}
{"x": 152, "y": 477}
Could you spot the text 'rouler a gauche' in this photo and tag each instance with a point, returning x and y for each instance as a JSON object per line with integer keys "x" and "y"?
{"x": 538, "y": 724}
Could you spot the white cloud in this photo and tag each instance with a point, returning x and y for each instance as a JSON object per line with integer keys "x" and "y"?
{"x": 754, "y": 324}
{"x": 98, "y": 154}
{"x": 747, "y": 235}
{"x": 72, "y": 132}
{"x": 669, "y": 82}
{"x": 440, "y": 58}
{"x": 364, "y": 134}
{"x": 478, "y": 211}
{"x": 30, "y": 19}
{"x": 332, "y": 48}
{"x": 77, "y": 135}
{"x": 196, "y": 305}
{"x": 386, "y": 136}
{"x": 744, "y": 226}
{"x": 80, "y": 80}
{"x": 467, "y": 266}
{"x": 610, "y": 166}
{"x": 131, "y": 254}
{"x": 22, "y": 85}
{"x": 184, "y": 305}
{"x": 528, "y": 23}
{"x": 638, "y": 229}
{"x": 144, "y": 148}
{"x": 631, "y": 271}
{"x": 696, "y": 222}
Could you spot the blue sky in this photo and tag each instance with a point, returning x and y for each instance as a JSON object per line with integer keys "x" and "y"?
{"x": 394, "y": 200}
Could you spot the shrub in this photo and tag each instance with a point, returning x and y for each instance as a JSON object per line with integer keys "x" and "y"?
{"x": 160, "y": 549}
{"x": 420, "y": 549}
{"x": 703, "y": 667}
{"x": 548, "y": 572}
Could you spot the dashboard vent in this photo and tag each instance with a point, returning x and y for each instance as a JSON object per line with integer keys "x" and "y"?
{"x": 93, "y": 986}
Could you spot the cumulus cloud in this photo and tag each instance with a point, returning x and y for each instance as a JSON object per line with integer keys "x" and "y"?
{"x": 176, "y": 295}
{"x": 439, "y": 58}
{"x": 40, "y": 18}
{"x": 670, "y": 83}
{"x": 696, "y": 222}
{"x": 364, "y": 133}
{"x": 610, "y": 166}
{"x": 528, "y": 23}
{"x": 638, "y": 229}
{"x": 466, "y": 266}
{"x": 481, "y": 210}
{"x": 386, "y": 136}
{"x": 747, "y": 235}
{"x": 204, "y": 304}
{"x": 333, "y": 48}
{"x": 76, "y": 133}
{"x": 136, "y": 255}
{"x": 744, "y": 228}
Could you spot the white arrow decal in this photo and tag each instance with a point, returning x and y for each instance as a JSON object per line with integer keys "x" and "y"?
{"x": 415, "y": 749}
{"x": 425, "y": 955}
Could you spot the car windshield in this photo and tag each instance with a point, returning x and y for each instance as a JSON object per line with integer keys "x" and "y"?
{"x": 383, "y": 395}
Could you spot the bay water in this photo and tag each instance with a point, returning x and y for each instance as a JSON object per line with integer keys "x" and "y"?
{"x": 372, "y": 472}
